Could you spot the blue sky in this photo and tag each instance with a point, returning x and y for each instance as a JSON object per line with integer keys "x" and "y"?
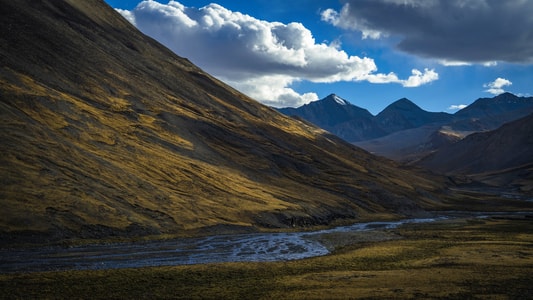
{"x": 440, "y": 54}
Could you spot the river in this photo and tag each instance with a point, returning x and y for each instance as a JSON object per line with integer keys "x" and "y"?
{"x": 253, "y": 247}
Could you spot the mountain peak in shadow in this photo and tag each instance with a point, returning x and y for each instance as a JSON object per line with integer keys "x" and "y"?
{"x": 404, "y": 114}
{"x": 501, "y": 157}
{"x": 402, "y": 104}
{"x": 328, "y": 112}
{"x": 337, "y": 116}
{"x": 505, "y": 97}
{"x": 505, "y": 103}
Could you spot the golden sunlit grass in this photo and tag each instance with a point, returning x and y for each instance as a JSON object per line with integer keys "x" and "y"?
{"x": 170, "y": 174}
{"x": 114, "y": 162}
{"x": 490, "y": 259}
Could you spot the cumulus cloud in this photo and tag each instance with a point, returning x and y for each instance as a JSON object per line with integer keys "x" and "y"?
{"x": 455, "y": 31}
{"x": 416, "y": 79}
{"x": 496, "y": 87}
{"x": 457, "y": 106}
{"x": 262, "y": 59}
{"x": 273, "y": 90}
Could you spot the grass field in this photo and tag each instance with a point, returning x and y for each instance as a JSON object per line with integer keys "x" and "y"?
{"x": 460, "y": 259}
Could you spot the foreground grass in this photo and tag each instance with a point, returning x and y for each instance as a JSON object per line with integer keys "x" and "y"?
{"x": 489, "y": 258}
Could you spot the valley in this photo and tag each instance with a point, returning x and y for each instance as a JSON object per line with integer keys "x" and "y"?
{"x": 452, "y": 259}
{"x": 251, "y": 247}
{"x": 126, "y": 171}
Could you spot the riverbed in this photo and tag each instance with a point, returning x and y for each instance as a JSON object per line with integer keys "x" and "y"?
{"x": 253, "y": 247}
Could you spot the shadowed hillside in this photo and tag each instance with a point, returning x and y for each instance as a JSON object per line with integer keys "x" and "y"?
{"x": 502, "y": 157}
{"x": 105, "y": 132}
{"x": 403, "y": 131}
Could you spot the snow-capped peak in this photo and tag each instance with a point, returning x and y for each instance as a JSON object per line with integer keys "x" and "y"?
{"x": 339, "y": 100}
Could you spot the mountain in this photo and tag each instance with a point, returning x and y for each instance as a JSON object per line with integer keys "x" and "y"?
{"x": 490, "y": 113}
{"x": 404, "y": 114}
{"x": 411, "y": 132}
{"x": 502, "y": 157}
{"x": 355, "y": 124}
{"x": 484, "y": 114}
{"x": 498, "y": 105}
{"x": 107, "y": 133}
{"x": 339, "y": 117}
{"x": 406, "y": 133}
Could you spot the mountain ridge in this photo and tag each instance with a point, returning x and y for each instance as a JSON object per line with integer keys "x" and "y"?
{"x": 337, "y": 116}
{"x": 106, "y": 133}
{"x": 343, "y": 110}
{"x": 485, "y": 106}
{"x": 487, "y": 151}
{"x": 405, "y": 132}
{"x": 404, "y": 114}
{"x": 361, "y": 125}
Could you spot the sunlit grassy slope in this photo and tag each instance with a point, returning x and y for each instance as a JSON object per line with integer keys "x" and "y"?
{"x": 105, "y": 132}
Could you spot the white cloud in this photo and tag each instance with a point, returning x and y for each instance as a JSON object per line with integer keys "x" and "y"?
{"x": 457, "y": 106}
{"x": 490, "y": 63}
{"x": 416, "y": 79}
{"x": 273, "y": 90}
{"x": 257, "y": 57}
{"x": 496, "y": 87}
{"x": 453, "y": 63}
{"x": 457, "y": 63}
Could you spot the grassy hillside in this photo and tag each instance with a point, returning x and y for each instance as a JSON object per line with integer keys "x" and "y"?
{"x": 105, "y": 132}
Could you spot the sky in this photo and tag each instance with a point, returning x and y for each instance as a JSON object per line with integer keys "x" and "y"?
{"x": 440, "y": 54}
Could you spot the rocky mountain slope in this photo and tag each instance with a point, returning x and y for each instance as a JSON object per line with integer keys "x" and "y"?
{"x": 105, "y": 132}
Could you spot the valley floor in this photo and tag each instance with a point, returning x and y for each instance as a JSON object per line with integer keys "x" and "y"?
{"x": 452, "y": 259}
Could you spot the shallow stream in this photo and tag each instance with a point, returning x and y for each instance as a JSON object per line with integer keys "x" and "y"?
{"x": 220, "y": 248}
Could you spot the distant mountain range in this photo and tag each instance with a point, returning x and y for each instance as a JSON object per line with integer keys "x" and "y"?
{"x": 489, "y": 141}
{"x": 405, "y": 132}
{"x": 354, "y": 123}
